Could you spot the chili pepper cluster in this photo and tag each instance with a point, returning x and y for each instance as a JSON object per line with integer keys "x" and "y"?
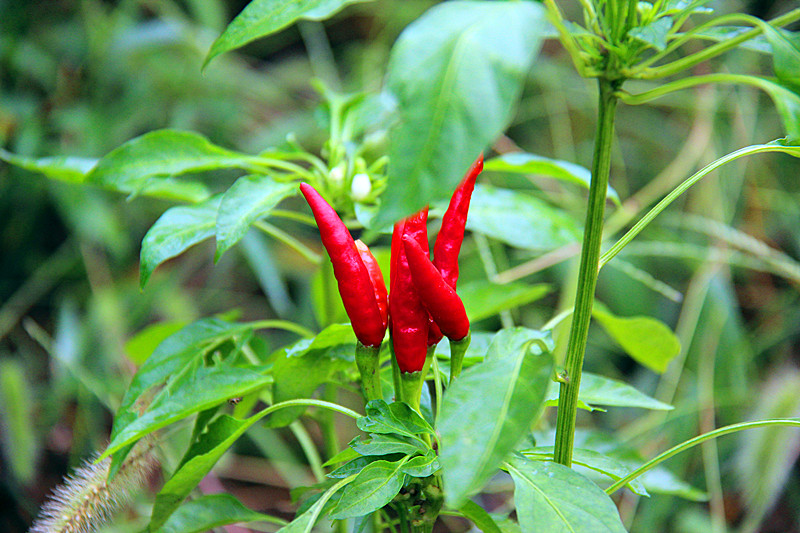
{"x": 422, "y": 304}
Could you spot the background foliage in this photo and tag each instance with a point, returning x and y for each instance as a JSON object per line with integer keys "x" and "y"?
{"x": 79, "y": 78}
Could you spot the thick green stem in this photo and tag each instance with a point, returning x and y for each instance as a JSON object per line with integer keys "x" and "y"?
{"x": 587, "y": 276}
{"x": 457, "y": 351}
{"x": 368, "y": 363}
{"x": 411, "y": 386}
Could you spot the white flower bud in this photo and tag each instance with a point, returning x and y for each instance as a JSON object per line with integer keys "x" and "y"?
{"x": 360, "y": 187}
{"x": 336, "y": 175}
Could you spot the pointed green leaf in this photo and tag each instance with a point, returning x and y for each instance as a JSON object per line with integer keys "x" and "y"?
{"x": 16, "y": 414}
{"x": 178, "y": 229}
{"x": 143, "y": 344}
{"x": 76, "y": 170}
{"x": 600, "y": 390}
{"x": 249, "y": 199}
{"x": 785, "y": 55}
{"x": 63, "y": 168}
{"x": 200, "y": 389}
{"x": 396, "y": 417}
{"x": 304, "y": 523}
{"x": 554, "y": 498}
{"x": 357, "y": 465}
{"x": 654, "y": 34}
{"x": 199, "y": 459}
{"x": 479, "y": 517}
{"x": 422, "y": 465}
{"x": 478, "y": 430}
{"x": 726, "y": 33}
{"x": 179, "y": 190}
{"x": 659, "y": 480}
{"x": 593, "y": 460}
{"x": 264, "y": 17}
{"x": 523, "y": 163}
{"x": 302, "y": 367}
{"x": 520, "y": 220}
{"x": 177, "y": 351}
{"x": 373, "y": 487}
{"x": 787, "y": 104}
{"x": 385, "y": 444}
{"x": 343, "y": 456}
{"x": 456, "y": 73}
{"x": 211, "y": 511}
{"x": 647, "y": 340}
{"x": 483, "y": 299}
{"x": 765, "y": 458}
{"x": 161, "y": 153}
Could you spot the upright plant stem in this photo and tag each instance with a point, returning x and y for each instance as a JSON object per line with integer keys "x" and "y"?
{"x": 587, "y": 276}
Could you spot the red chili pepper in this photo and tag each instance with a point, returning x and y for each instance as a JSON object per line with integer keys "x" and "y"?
{"x": 355, "y": 286}
{"x": 409, "y": 319}
{"x": 448, "y": 242}
{"x": 376, "y": 276}
{"x": 439, "y": 298}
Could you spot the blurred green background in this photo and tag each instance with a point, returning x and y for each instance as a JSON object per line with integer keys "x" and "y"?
{"x": 79, "y": 77}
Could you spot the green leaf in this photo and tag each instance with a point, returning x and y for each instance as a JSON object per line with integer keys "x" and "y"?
{"x": 302, "y": 367}
{"x": 600, "y": 390}
{"x": 373, "y": 487}
{"x": 173, "y": 189}
{"x": 658, "y": 480}
{"x": 653, "y": 34}
{"x": 726, "y": 33}
{"x": 199, "y": 389}
{"x": 520, "y": 220}
{"x": 305, "y": 522}
{"x": 456, "y": 73}
{"x": 787, "y": 103}
{"x": 396, "y": 417}
{"x": 357, "y": 465}
{"x": 211, "y": 511}
{"x": 524, "y": 163}
{"x": 422, "y": 465}
{"x": 647, "y": 340}
{"x": 143, "y": 344}
{"x": 554, "y": 498}
{"x": 16, "y": 415}
{"x": 592, "y": 460}
{"x": 347, "y": 454}
{"x": 195, "y": 464}
{"x": 478, "y": 516}
{"x": 785, "y": 55}
{"x": 176, "y": 352}
{"x": 763, "y": 466}
{"x": 672, "y": 7}
{"x": 264, "y": 17}
{"x": 76, "y": 170}
{"x": 167, "y": 361}
{"x": 129, "y": 167}
{"x": 478, "y": 430}
{"x": 249, "y": 199}
{"x": 483, "y": 299}
{"x": 63, "y": 168}
{"x": 385, "y": 444}
{"x": 661, "y": 481}
{"x": 174, "y": 232}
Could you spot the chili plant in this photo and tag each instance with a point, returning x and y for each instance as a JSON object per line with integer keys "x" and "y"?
{"x": 431, "y": 436}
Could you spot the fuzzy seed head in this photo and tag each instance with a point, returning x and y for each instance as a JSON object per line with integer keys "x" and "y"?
{"x": 86, "y": 500}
